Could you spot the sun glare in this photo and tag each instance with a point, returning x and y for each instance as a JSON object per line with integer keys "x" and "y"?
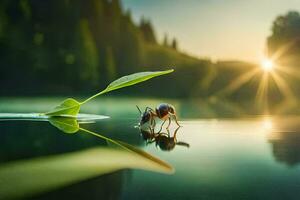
{"x": 267, "y": 124}
{"x": 267, "y": 65}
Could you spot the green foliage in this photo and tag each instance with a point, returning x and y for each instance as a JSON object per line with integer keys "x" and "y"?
{"x": 285, "y": 38}
{"x": 71, "y": 107}
{"x": 284, "y": 47}
{"x": 63, "y": 48}
{"x": 84, "y": 45}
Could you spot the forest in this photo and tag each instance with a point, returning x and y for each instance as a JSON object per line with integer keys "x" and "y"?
{"x": 76, "y": 47}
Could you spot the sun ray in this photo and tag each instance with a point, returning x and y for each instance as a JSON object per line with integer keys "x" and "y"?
{"x": 289, "y": 71}
{"x": 262, "y": 93}
{"x": 284, "y": 49}
{"x": 282, "y": 86}
{"x": 239, "y": 82}
{"x": 270, "y": 68}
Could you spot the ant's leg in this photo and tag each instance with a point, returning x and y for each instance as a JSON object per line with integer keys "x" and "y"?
{"x": 151, "y": 130}
{"x": 168, "y": 132}
{"x": 169, "y": 123}
{"x": 175, "y": 117}
{"x": 150, "y": 126}
{"x": 162, "y": 126}
{"x": 175, "y": 133}
{"x": 138, "y": 109}
{"x": 148, "y": 108}
{"x": 150, "y": 141}
{"x": 183, "y": 144}
{"x": 152, "y": 121}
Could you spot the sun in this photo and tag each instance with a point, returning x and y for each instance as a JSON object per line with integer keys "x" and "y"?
{"x": 267, "y": 64}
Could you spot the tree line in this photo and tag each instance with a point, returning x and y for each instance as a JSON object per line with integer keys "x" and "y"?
{"x": 77, "y": 47}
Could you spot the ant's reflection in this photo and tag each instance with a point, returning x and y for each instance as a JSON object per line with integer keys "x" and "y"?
{"x": 164, "y": 140}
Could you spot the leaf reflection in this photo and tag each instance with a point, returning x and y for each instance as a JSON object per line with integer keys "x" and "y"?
{"x": 38, "y": 175}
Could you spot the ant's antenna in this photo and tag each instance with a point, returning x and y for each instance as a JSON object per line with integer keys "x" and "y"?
{"x": 139, "y": 109}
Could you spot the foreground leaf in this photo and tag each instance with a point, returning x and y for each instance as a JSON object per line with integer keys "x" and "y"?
{"x": 65, "y": 124}
{"x": 69, "y": 107}
{"x": 27, "y": 178}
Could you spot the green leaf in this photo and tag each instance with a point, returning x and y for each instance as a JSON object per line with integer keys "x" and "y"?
{"x": 134, "y": 79}
{"x": 69, "y": 107}
{"x": 65, "y": 124}
{"x": 129, "y": 80}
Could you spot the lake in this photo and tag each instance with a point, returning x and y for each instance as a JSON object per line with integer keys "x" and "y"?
{"x": 219, "y": 154}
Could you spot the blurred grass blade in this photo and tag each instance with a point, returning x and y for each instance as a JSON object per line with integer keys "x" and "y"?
{"x": 27, "y": 178}
{"x": 69, "y": 107}
{"x": 65, "y": 124}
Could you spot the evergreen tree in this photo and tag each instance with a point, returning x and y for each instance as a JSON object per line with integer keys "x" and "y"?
{"x": 147, "y": 31}
{"x": 89, "y": 70}
{"x": 174, "y": 44}
{"x": 110, "y": 64}
{"x": 285, "y": 38}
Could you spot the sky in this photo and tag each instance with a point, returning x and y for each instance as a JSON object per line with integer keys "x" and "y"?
{"x": 216, "y": 29}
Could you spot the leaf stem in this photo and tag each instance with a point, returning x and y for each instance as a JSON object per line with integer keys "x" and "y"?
{"x": 90, "y": 98}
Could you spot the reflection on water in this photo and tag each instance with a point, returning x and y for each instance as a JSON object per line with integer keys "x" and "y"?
{"x": 285, "y": 141}
{"x": 166, "y": 141}
{"x": 35, "y": 176}
{"x": 237, "y": 158}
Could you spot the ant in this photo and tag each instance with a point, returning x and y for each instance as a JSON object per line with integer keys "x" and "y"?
{"x": 163, "y": 111}
{"x": 163, "y": 140}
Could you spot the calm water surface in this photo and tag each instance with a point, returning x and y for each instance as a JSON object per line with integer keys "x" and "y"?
{"x": 253, "y": 157}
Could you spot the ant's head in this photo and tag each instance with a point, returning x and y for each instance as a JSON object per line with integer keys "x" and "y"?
{"x": 162, "y": 110}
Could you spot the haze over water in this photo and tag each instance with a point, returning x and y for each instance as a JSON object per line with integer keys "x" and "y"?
{"x": 218, "y": 29}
